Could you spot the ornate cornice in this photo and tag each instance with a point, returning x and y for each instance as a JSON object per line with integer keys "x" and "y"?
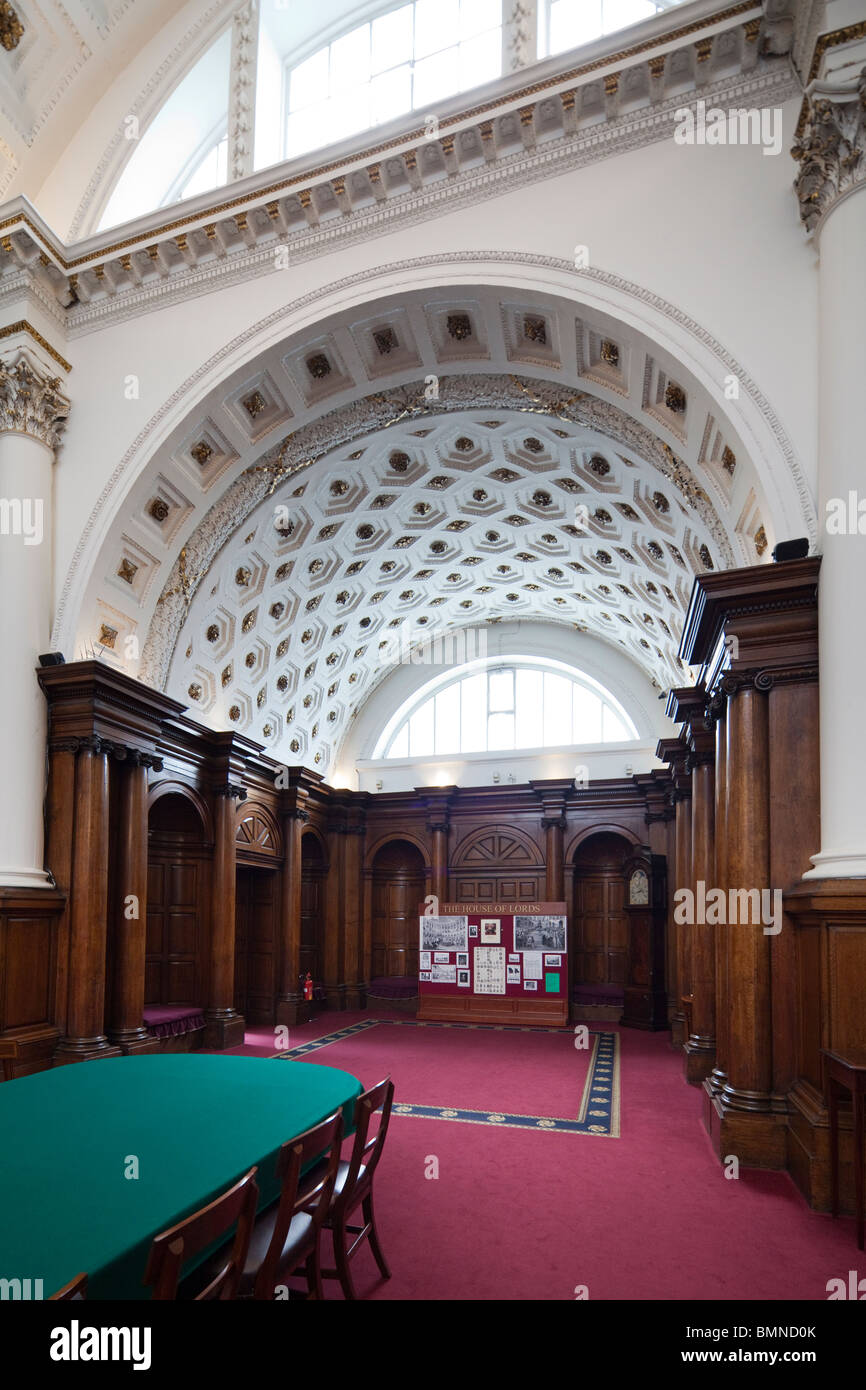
{"x": 764, "y": 679}
{"x": 95, "y": 743}
{"x": 22, "y": 326}
{"x": 232, "y": 790}
{"x": 297, "y": 813}
{"x": 831, "y": 150}
{"x": 31, "y": 402}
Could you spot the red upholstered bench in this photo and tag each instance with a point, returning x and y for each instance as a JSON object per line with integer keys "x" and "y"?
{"x": 162, "y": 1021}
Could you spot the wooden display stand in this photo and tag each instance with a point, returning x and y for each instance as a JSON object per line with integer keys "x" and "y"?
{"x": 545, "y": 1005}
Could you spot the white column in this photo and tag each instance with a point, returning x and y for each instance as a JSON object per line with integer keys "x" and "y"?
{"x": 833, "y": 203}
{"x": 32, "y": 412}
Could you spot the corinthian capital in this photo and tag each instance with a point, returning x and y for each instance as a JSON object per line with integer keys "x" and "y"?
{"x": 31, "y": 401}
{"x": 831, "y": 151}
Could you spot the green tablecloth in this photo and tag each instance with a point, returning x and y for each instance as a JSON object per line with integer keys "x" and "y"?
{"x": 195, "y": 1124}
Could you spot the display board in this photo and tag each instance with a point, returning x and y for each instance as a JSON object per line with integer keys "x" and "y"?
{"x": 494, "y": 963}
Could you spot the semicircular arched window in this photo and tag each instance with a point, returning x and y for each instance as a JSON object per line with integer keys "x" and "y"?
{"x": 516, "y": 703}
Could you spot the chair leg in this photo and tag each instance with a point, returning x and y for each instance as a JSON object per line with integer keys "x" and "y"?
{"x": 314, "y": 1276}
{"x": 367, "y": 1208}
{"x": 341, "y": 1260}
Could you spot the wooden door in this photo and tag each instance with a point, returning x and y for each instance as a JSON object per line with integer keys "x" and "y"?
{"x": 398, "y": 888}
{"x": 313, "y": 874}
{"x": 256, "y": 938}
{"x": 600, "y": 920}
{"x": 174, "y": 901}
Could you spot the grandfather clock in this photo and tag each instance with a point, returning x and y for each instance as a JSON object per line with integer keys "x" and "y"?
{"x": 645, "y": 1001}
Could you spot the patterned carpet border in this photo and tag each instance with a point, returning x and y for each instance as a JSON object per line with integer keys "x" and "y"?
{"x": 599, "y": 1111}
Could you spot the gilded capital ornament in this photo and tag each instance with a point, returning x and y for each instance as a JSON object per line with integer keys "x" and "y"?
{"x": 31, "y": 401}
{"x": 831, "y": 151}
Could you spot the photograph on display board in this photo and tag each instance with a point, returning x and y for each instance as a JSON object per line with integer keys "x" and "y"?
{"x": 539, "y": 934}
{"x": 463, "y": 959}
{"x": 530, "y": 984}
{"x": 444, "y": 933}
{"x": 514, "y": 974}
{"x": 491, "y": 930}
{"x": 463, "y": 978}
{"x": 444, "y": 974}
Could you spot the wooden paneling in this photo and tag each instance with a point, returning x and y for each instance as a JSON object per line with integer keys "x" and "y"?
{"x": 29, "y": 921}
{"x": 493, "y": 888}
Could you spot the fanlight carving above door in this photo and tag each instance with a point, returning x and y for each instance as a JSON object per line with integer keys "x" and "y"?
{"x": 256, "y": 834}
{"x": 495, "y": 847}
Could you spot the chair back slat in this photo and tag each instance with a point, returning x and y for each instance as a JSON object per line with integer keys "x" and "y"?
{"x": 367, "y": 1149}
{"x": 173, "y": 1248}
{"x": 312, "y": 1198}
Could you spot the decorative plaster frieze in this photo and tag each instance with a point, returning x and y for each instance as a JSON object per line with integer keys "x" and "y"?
{"x": 124, "y": 300}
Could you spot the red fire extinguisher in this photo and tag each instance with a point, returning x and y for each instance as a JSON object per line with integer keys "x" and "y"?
{"x": 308, "y": 987}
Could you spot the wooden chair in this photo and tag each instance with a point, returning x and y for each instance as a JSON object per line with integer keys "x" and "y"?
{"x": 354, "y": 1187}
{"x": 287, "y": 1235}
{"x": 75, "y": 1289}
{"x": 173, "y": 1248}
{"x": 9, "y": 1055}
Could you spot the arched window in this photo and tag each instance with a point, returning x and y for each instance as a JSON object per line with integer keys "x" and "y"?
{"x": 565, "y": 24}
{"x": 496, "y": 705}
{"x": 183, "y": 150}
{"x": 405, "y": 60}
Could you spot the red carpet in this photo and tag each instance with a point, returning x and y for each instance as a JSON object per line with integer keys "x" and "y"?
{"x": 528, "y": 1214}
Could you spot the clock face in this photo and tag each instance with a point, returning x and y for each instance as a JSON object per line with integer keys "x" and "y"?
{"x": 638, "y": 889}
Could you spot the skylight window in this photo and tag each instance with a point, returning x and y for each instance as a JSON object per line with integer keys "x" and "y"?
{"x": 521, "y": 703}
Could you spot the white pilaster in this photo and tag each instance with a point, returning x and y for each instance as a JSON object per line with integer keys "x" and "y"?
{"x": 32, "y": 413}
{"x": 519, "y": 33}
{"x": 832, "y": 189}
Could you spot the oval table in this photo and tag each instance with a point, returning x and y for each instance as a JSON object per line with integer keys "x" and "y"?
{"x": 96, "y": 1158}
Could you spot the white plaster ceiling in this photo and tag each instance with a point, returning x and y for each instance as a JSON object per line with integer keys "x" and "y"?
{"x": 435, "y": 524}
{"x": 401, "y": 506}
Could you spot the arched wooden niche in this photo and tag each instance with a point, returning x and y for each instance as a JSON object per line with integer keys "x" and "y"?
{"x": 178, "y": 902}
{"x": 399, "y": 886}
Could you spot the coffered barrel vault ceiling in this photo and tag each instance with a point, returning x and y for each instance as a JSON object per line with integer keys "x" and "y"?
{"x": 443, "y": 460}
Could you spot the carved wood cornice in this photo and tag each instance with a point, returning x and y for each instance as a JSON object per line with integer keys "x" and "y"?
{"x": 232, "y": 790}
